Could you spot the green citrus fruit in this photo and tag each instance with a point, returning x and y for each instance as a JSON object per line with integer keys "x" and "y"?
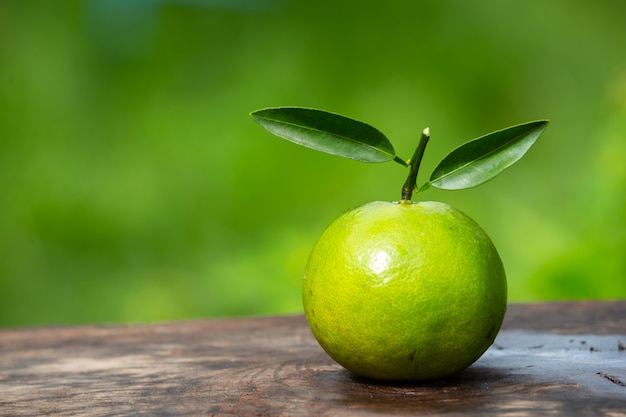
{"x": 404, "y": 291}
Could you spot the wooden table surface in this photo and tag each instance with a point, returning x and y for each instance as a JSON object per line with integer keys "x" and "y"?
{"x": 549, "y": 359}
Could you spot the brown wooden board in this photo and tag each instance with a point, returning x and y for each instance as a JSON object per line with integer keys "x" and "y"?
{"x": 550, "y": 359}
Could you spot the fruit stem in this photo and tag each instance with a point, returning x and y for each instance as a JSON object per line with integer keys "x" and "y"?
{"x": 410, "y": 184}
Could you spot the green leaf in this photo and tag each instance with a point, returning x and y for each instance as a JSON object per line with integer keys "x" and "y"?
{"x": 481, "y": 159}
{"x": 327, "y": 132}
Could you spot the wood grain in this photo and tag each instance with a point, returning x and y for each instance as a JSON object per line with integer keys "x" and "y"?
{"x": 556, "y": 358}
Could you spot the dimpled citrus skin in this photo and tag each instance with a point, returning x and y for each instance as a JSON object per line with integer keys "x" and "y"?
{"x": 404, "y": 291}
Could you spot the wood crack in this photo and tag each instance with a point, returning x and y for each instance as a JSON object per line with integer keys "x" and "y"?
{"x": 612, "y": 379}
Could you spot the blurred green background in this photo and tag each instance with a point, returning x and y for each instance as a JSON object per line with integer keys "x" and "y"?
{"x": 135, "y": 187}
